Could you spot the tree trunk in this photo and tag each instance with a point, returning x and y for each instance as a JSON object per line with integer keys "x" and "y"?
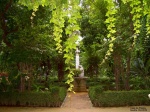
{"x": 48, "y": 64}
{"x": 60, "y": 71}
{"x": 22, "y": 85}
{"x": 128, "y": 73}
{"x": 117, "y": 69}
{"x": 3, "y": 24}
{"x": 29, "y": 82}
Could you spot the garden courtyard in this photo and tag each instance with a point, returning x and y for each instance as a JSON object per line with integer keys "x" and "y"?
{"x": 74, "y": 55}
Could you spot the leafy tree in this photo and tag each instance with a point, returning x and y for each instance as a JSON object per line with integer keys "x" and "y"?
{"x": 124, "y": 36}
{"x": 93, "y": 35}
{"x": 29, "y": 45}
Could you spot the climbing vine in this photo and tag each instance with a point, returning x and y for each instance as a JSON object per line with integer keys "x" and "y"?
{"x": 61, "y": 9}
{"x": 138, "y": 7}
{"x": 32, "y": 17}
{"x": 146, "y": 8}
{"x": 136, "y": 12}
{"x": 70, "y": 46}
{"x": 110, "y": 21}
{"x": 58, "y": 20}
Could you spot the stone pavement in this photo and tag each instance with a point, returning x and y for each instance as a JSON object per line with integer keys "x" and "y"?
{"x": 78, "y": 102}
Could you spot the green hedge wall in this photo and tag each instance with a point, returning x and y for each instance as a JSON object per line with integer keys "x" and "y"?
{"x": 52, "y": 98}
{"x": 118, "y": 98}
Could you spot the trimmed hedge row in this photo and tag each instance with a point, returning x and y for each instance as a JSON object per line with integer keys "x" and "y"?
{"x": 52, "y": 98}
{"x": 118, "y": 98}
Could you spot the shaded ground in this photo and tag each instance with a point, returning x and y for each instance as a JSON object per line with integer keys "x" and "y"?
{"x": 78, "y": 102}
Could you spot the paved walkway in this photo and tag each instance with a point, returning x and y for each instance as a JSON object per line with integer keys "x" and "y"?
{"x": 78, "y": 102}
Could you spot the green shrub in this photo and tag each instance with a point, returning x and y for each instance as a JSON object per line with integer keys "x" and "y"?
{"x": 62, "y": 94}
{"x": 118, "y": 98}
{"x": 77, "y": 72}
{"x": 52, "y": 98}
{"x": 105, "y": 82}
{"x": 89, "y": 84}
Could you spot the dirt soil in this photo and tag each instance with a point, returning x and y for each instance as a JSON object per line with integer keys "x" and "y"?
{"x": 78, "y": 102}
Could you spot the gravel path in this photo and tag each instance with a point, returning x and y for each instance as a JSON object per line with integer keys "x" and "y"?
{"x": 78, "y": 102}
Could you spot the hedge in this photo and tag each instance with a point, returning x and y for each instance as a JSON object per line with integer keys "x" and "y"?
{"x": 101, "y": 98}
{"x": 52, "y": 98}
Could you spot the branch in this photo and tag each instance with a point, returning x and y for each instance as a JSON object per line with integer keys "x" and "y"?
{"x": 6, "y": 41}
{"x": 8, "y": 6}
{"x": 4, "y": 26}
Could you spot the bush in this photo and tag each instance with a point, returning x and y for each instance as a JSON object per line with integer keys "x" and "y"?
{"x": 105, "y": 82}
{"x": 77, "y": 72}
{"x": 52, "y": 98}
{"x": 118, "y": 98}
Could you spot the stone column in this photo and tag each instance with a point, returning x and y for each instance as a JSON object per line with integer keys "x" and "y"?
{"x": 77, "y": 58}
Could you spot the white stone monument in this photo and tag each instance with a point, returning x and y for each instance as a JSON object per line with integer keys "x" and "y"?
{"x": 77, "y": 58}
{"x": 82, "y": 71}
{"x": 78, "y": 66}
{"x": 80, "y": 80}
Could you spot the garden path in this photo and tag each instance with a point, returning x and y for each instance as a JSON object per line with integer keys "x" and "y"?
{"x": 78, "y": 102}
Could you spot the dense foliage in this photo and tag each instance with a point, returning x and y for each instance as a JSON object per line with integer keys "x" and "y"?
{"x": 116, "y": 42}
{"x": 38, "y": 42}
